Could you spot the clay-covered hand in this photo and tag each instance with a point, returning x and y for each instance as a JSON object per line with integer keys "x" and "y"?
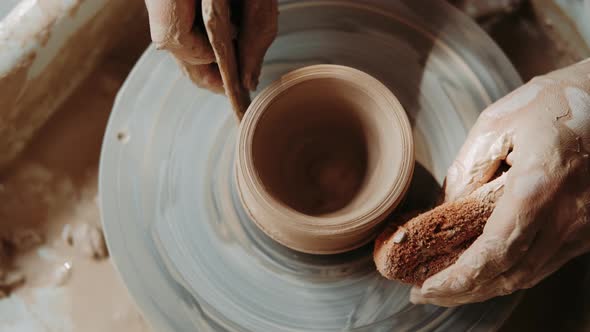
{"x": 178, "y": 26}
{"x": 542, "y": 130}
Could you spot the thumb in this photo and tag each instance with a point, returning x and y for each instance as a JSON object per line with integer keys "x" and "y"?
{"x": 206, "y": 76}
{"x": 478, "y": 160}
{"x": 176, "y": 27}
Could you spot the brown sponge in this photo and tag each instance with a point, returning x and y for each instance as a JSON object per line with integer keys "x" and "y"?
{"x": 432, "y": 241}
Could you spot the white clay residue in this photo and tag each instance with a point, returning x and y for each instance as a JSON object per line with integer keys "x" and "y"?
{"x": 579, "y": 105}
{"x": 54, "y": 260}
{"x": 55, "y": 270}
{"x": 516, "y": 100}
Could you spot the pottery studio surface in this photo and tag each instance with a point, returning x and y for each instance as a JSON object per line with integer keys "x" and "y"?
{"x": 184, "y": 247}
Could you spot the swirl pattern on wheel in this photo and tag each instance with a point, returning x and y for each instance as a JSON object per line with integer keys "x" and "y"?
{"x": 176, "y": 230}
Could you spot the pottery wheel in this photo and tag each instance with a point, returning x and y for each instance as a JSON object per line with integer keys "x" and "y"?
{"x": 176, "y": 230}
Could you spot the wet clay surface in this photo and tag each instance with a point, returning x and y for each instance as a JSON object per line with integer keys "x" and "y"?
{"x": 312, "y": 156}
{"x": 331, "y": 148}
{"x": 55, "y": 270}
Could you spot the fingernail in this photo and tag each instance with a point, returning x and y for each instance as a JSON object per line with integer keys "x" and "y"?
{"x": 416, "y": 296}
{"x": 439, "y": 287}
{"x": 433, "y": 285}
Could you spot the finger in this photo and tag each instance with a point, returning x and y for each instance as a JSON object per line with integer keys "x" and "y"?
{"x": 257, "y": 31}
{"x": 217, "y": 19}
{"x": 206, "y": 76}
{"x": 477, "y": 161}
{"x": 522, "y": 277}
{"x": 498, "y": 286}
{"x": 547, "y": 253}
{"x": 175, "y": 26}
{"x": 550, "y": 232}
{"x": 566, "y": 253}
{"x": 506, "y": 237}
{"x": 543, "y": 248}
{"x": 416, "y": 296}
{"x": 549, "y": 241}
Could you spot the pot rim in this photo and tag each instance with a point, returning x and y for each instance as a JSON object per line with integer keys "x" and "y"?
{"x": 353, "y": 221}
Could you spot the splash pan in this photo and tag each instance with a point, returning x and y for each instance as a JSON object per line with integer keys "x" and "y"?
{"x": 176, "y": 230}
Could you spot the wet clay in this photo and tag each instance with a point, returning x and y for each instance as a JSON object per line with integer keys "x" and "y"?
{"x": 312, "y": 154}
{"x": 34, "y": 59}
{"x": 55, "y": 269}
{"x": 55, "y": 274}
{"x": 324, "y": 154}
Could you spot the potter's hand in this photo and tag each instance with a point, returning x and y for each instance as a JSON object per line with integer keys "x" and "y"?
{"x": 177, "y": 26}
{"x": 542, "y": 130}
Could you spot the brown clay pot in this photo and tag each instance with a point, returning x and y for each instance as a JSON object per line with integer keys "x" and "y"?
{"x": 323, "y": 156}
